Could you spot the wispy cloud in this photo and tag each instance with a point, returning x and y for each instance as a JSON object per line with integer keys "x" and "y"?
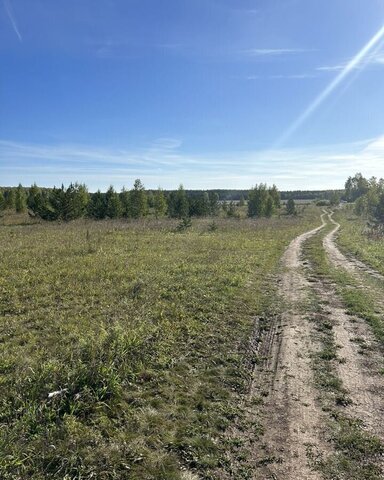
{"x": 272, "y": 52}
{"x": 298, "y": 76}
{"x": 376, "y": 58}
{"x": 165, "y": 163}
{"x": 11, "y": 16}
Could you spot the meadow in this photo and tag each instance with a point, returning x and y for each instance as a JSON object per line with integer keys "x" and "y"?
{"x": 125, "y": 345}
{"x": 354, "y": 238}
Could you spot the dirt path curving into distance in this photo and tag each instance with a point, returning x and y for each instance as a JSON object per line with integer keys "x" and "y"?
{"x": 293, "y": 420}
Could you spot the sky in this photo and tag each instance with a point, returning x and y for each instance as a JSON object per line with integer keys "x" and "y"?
{"x": 207, "y": 93}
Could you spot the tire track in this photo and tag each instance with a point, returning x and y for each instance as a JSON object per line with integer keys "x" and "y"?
{"x": 294, "y": 420}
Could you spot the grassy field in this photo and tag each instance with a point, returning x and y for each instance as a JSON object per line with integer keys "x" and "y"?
{"x": 125, "y": 346}
{"x": 353, "y": 239}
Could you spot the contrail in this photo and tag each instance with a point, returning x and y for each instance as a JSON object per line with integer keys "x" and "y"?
{"x": 9, "y": 11}
{"x": 350, "y": 67}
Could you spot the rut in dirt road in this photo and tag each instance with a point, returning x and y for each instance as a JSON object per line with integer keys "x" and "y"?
{"x": 294, "y": 420}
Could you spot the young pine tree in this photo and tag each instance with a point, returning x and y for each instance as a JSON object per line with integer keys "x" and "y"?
{"x": 97, "y": 207}
{"x": 20, "y": 199}
{"x": 2, "y": 201}
{"x": 231, "y": 210}
{"x": 57, "y": 202}
{"x": 199, "y": 205}
{"x": 159, "y": 203}
{"x": 75, "y": 202}
{"x": 125, "y": 202}
{"x": 138, "y": 200}
{"x": 10, "y": 199}
{"x": 113, "y": 204}
{"x": 214, "y": 204}
{"x": 178, "y": 205}
{"x": 291, "y": 207}
{"x": 33, "y": 199}
{"x": 270, "y": 206}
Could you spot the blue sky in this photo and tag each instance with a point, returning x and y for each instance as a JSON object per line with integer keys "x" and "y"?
{"x": 208, "y": 93}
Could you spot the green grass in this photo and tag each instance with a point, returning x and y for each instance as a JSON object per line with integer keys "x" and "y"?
{"x": 145, "y": 331}
{"x": 353, "y": 239}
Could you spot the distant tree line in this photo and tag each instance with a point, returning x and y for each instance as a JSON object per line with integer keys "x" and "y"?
{"x": 75, "y": 201}
{"x": 312, "y": 195}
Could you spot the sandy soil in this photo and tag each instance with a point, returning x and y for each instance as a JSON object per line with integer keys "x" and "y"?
{"x": 294, "y": 420}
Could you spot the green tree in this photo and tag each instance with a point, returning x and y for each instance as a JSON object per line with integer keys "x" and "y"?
{"x": 76, "y": 199}
{"x": 291, "y": 207}
{"x": 159, "y": 203}
{"x": 57, "y": 203}
{"x": 20, "y": 199}
{"x": 34, "y": 198}
{"x": 178, "y": 205}
{"x": 270, "y": 206}
{"x": 125, "y": 202}
{"x": 242, "y": 201}
{"x": 150, "y": 199}
{"x": 214, "y": 204}
{"x": 257, "y": 201}
{"x": 138, "y": 200}
{"x": 10, "y": 199}
{"x": 356, "y": 187}
{"x": 44, "y": 208}
{"x": 199, "y": 206}
{"x": 379, "y": 211}
{"x": 112, "y": 203}
{"x": 232, "y": 211}
{"x": 275, "y": 194}
{"x": 97, "y": 207}
{"x": 2, "y": 201}
{"x": 361, "y": 206}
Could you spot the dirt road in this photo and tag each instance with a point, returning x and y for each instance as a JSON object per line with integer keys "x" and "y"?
{"x": 294, "y": 420}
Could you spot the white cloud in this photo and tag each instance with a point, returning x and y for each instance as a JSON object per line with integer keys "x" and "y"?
{"x": 163, "y": 163}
